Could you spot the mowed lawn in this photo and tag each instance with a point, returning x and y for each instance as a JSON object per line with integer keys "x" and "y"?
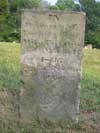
{"x": 90, "y": 85}
{"x": 9, "y": 66}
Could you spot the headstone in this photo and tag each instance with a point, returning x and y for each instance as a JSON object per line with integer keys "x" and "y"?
{"x": 51, "y": 56}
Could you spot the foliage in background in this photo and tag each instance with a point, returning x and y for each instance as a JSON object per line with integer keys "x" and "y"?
{"x": 92, "y": 9}
{"x": 3, "y": 14}
{"x": 13, "y": 19}
{"x": 68, "y": 5}
{"x": 10, "y": 12}
{"x": 3, "y": 10}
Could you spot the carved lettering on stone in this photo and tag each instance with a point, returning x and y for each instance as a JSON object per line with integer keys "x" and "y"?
{"x": 52, "y": 43}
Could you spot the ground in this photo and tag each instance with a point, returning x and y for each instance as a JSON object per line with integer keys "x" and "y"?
{"x": 90, "y": 84}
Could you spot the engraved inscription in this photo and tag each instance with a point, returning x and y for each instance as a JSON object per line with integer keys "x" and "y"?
{"x": 52, "y": 43}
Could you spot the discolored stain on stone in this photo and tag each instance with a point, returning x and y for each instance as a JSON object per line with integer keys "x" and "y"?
{"x": 52, "y": 43}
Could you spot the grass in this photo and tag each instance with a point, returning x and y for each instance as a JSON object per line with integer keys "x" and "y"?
{"x": 9, "y": 66}
{"x": 90, "y": 84}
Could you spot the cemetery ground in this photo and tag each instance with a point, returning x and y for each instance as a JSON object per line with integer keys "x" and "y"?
{"x": 90, "y": 84}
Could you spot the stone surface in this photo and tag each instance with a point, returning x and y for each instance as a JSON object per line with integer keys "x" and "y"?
{"x": 51, "y": 55}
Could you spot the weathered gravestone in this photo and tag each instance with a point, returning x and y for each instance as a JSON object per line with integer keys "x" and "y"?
{"x": 51, "y": 56}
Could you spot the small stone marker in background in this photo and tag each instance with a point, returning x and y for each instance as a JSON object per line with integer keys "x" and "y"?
{"x": 51, "y": 56}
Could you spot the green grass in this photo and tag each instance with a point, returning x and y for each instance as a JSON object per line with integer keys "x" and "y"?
{"x": 9, "y": 66}
{"x": 90, "y": 85}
